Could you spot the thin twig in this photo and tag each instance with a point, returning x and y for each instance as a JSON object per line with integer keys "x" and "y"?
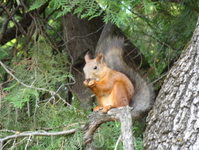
{"x": 119, "y": 139}
{"x": 39, "y": 133}
{"x": 28, "y": 141}
{"x": 16, "y": 144}
{"x": 162, "y": 76}
{"x": 31, "y": 86}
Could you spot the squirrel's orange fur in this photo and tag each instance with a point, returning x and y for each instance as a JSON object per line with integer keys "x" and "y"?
{"x": 112, "y": 88}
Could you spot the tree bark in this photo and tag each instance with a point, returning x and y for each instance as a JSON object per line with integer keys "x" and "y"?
{"x": 121, "y": 114}
{"x": 173, "y": 123}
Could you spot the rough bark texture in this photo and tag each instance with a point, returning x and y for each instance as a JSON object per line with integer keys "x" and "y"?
{"x": 173, "y": 124}
{"x": 121, "y": 114}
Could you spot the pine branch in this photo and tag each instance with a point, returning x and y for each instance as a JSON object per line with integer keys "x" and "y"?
{"x": 31, "y": 86}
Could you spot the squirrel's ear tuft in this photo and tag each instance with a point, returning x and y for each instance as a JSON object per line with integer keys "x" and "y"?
{"x": 87, "y": 57}
{"x": 99, "y": 58}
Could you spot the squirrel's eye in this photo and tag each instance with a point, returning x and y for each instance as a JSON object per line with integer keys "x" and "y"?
{"x": 95, "y": 67}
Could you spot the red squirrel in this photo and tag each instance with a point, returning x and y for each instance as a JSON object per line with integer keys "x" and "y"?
{"x": 114, "y": 83}
{"x": 112, "y": 88}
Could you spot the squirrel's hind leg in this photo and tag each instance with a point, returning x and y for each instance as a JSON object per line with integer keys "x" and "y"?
{"x": 119, "y": 95}
{"x": 105, "y": 109}
{"x": 97, "y": 108}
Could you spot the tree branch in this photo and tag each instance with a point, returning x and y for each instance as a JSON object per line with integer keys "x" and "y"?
{"x": 37, "y": 133}
{"x": 121, "y": 114}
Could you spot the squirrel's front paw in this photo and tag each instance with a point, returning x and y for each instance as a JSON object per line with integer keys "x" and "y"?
{"x": 85, "y": 82}
{"x": 91, "y": 83}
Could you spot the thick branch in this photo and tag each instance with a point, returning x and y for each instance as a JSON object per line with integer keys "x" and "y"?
{"x": 96, "y": 119}
{"x": 122, "y": 114}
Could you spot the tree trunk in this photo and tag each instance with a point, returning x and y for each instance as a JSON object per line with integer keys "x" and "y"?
{"x": 80, "y": 35}
{"x": 173, "y": 123}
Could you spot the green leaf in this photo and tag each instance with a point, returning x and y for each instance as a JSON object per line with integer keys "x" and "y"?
{"x": 3, "y": 53}
{"x": 37, "y": 4}
{"x": 18, "y": 98}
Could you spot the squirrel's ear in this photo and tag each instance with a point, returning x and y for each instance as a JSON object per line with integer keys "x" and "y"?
{"x": 99, "y": 58}
{"x": 87, "y": 57}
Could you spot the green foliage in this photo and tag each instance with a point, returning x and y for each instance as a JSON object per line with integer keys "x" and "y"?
{"x": 155, "y": 27}
{"x": 47, "y": 117}
{"x": 39, "y": 73}
{"x": 21, "y": 96}
{"x": 34, "y": 99}
{"x": 37, "y": 4}
{"x": 3, "y": 53}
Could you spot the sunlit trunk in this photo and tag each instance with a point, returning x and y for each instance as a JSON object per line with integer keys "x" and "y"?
{"x": 173, "y": 123}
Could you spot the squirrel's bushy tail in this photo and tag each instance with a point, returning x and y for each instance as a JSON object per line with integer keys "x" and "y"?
{"x": 112, "y": 51}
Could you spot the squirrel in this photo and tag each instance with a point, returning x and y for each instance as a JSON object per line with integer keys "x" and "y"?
{"x": 114, "y": 83}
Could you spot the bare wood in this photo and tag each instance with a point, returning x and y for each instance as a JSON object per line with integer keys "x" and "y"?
{"x": 37, "y": 133}
{"x": 121, "y": 114}
{"x": 126, "y": 128}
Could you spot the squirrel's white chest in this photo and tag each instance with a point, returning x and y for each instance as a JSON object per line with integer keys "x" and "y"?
{"x": 105, "y": 100}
